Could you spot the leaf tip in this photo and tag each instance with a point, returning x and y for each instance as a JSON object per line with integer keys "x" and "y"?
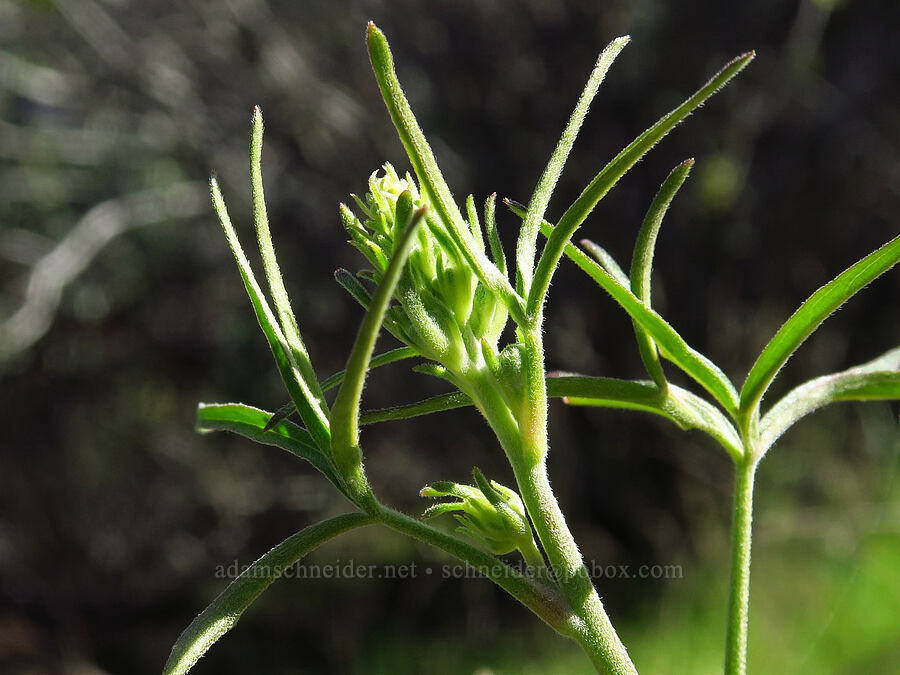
{"x": 372, "y": 33}
{"x": 744, "y": 58}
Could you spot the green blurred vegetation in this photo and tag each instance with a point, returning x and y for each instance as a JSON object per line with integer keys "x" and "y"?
{"x": 114, "y": 514}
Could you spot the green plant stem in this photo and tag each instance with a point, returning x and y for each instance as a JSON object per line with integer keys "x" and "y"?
{"x": 594, "y": 631}
{"x": 739, "y": 600}
{"x": 540, "y": 599}
{"x": 527, "y": 452}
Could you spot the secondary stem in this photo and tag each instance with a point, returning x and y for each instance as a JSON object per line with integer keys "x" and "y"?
{"x": 540, "y": 599}
{"x": 739, "y": 601}
{"x": 595, "y": 631}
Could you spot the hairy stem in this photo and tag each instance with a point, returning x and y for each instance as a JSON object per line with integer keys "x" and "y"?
{"x": 527, "y": 451}
{"x": 540, "y": 599}
{"x": 739, "y": 600}
{"x": 595, "y": 632}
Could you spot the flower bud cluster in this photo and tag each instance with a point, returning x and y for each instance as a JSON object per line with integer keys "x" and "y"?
{"x": 444, "y": 310}
{"x": 488, "y": 512}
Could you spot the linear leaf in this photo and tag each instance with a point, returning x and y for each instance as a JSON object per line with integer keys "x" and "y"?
{"x": 430, "y": 176}
{"x": 225, "y": 610}
{"x": 392, "y": 356}
{"x": 251, "y": 423}
{"x": 282, "y": 413}
{"x": 490, "y": 224}
{"x": 686, "y": 409}
{"x": 297, "y": 387}
{"x": 345, "y": 411}
{"x": 672, "y": 345}
{"x": 606, "y": 261}
{"x": 273, "y": 272}
{"x": 527, "y": 244}
{"x": 818, "y": 307}
{"x": 604, "y": 181}
{"x": 876, "y": 380}
{"x": 426, "y": 407}
{"x": 600, "y": 254}
{"x": 393, "y": 321}
{"x": 642, "y": 262}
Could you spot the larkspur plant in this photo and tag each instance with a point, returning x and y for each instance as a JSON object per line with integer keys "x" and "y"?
{"x": 447, "y": 294}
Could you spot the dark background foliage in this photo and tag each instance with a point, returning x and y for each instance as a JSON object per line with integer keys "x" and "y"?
{"x": 120, "y": 308}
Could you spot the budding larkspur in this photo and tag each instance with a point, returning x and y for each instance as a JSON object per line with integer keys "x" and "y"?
{"x": 444, "y": 312}
{"x": 489, "y": 512}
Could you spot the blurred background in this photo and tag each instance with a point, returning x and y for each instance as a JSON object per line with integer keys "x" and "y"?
{"x": 121, "y": 308}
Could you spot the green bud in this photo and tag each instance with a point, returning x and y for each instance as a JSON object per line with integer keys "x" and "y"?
{"x": 446, "y": 311}
{"x": 511, "y": 375}
{"x": 488, "y": 512}
{"x": 484, "y": 304}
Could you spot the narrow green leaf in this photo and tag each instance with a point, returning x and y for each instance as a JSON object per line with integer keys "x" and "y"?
{"x": 351, "y": 284}
{"x": 225, "y": 610}
{"x": 304, "y": 398}
{"x": 252, "y": 423}
{"x": 273, "y": 273}
{"x": 426, "y": 407}
{"x": 686, "y": 409}
{"x": 282, "y": 413}
{"x": 474, "y": 223}
{"x": 490, "y": 223}
{"x": 393, "y": 322}
{"x": 527, "y": 244}
{"x": 818, "y": 307}
{"x": 876, "y": 380}
{"x": 672, "y": 345}
{"x": 392, "y": 356}
{"x": 610, "y": 175}
{"x": 440, "y": 509}
{"x": 601, "y": 255}
{"x": 430, "y": 176}
{"x": 345, "y": 412}
{"x": 642, "y": 262}
{"x": 682, "y": 407}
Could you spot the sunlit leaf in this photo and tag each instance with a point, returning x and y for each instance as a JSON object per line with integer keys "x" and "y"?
{"x": 345, "y": 411}
{"x": 604, "y": 181}
{"x": 304, "y": 398}
{"x": 252, "y": 423}
{"x": 225, "y": 610}
{"x": 818, "y": 307}
{"x": 429, "y": 174}
{"x": 527, "y": 245}
{"x": 642, "y": 263}
{"x": 876, "y": 380}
